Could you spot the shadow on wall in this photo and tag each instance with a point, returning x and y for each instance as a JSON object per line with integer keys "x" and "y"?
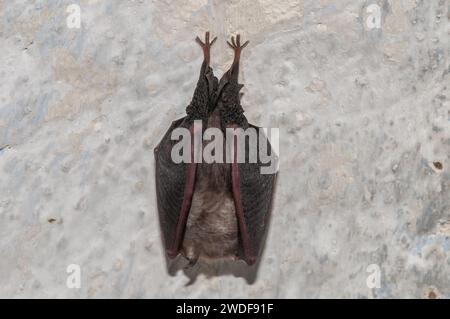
{"x": 216, "y": 268}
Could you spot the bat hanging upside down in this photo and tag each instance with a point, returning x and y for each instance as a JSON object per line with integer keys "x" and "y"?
{"x": 217, "y": 210}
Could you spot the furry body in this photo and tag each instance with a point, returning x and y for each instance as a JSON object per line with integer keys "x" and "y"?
{"x": 212, "y": 227}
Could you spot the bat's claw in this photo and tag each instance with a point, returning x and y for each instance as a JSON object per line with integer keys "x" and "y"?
{"x": 206, "y": 43}
{"x": 236, "y": 45}
{"x": 206, "y": 46}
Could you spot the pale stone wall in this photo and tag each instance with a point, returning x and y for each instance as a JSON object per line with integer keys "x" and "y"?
{"x": 364, "y": 113}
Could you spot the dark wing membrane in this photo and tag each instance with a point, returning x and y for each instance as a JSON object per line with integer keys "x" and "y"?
{"x": 256, "y": 193}
{"x": 171, "y": 181}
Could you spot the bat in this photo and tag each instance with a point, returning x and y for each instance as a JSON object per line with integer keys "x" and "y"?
{"x": 214, "y": 210}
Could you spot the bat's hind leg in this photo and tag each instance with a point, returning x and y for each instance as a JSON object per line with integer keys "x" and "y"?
{"x": 231, "y": 112}
{"x": 206, "y": 46}
{"x": 200, "y": 104}
{"x": 237, "y": 47}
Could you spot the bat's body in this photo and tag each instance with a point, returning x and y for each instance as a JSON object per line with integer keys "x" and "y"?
{"x": 213, "y": 210}
{"x": 212, "y": 226}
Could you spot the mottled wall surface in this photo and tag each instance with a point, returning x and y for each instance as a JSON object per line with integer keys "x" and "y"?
{"x": 364, "y": 118}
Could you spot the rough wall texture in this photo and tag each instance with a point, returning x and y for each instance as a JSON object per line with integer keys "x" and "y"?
{"x": 364, "y": 118}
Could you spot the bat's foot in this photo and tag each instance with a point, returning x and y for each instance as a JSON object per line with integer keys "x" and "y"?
{"x": 206, "y": 46}
{"x": 236, "y": 45}
{"x": 233, "y": 72}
